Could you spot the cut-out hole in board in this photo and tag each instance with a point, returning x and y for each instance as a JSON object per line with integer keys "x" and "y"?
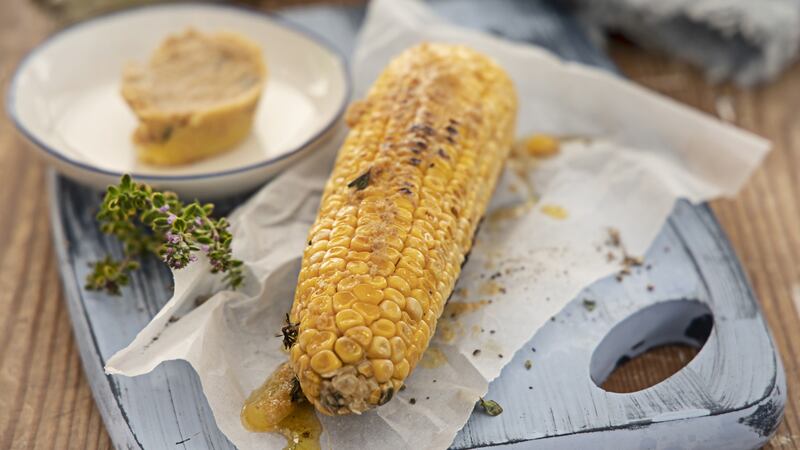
{"x": 676, "y": 323}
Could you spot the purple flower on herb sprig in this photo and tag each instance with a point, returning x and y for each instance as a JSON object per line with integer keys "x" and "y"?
{"x": 149, "y": 221}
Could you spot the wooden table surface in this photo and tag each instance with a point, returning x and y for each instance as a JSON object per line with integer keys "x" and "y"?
{"x": 46, "y": 403}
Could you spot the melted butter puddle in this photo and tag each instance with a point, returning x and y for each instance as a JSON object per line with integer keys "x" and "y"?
{"x": 521, "y": 164}
{"x": 270, "y": 409}
{"x": 432, "y": 358}
{"x": 555, "y": 211}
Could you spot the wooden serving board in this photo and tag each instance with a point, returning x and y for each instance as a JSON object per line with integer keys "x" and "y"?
{"x": 731, "y": 395}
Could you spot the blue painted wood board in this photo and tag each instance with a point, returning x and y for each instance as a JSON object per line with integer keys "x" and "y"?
{"x": 731, "y": 395}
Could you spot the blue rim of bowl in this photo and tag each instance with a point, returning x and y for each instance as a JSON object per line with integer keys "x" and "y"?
{"x": 11, "y": 92}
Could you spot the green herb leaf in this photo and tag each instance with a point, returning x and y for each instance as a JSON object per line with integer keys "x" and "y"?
{"x": 491, "y": 407}
{"x": 361, "y": 182}
{"x": 148, "y": 221}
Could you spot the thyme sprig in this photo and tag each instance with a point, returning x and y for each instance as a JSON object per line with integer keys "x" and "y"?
{"x": 149, "y": 221}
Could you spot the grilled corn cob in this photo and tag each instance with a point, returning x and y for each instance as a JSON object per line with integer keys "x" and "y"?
{"x": 397, "y": 217}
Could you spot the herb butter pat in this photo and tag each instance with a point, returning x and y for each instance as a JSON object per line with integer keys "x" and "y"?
{"x": 196, "y": 96}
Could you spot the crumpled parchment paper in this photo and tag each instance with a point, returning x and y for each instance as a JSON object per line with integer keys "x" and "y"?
{"x": 637, "y": 153}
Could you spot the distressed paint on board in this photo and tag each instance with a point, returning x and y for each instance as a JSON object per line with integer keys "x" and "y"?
{"x": 731, "y": 395}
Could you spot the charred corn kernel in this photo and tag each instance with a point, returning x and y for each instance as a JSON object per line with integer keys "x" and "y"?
{"x": 368, "y": 311}
{"x": 348, "y": 350}
{"x": 383, "y": 327}
{"x": 368, "y": 293}
{"x": 348, "y": 319}
{"x": 379, "y": 348}
{"x": 390, "y": 310}
{"x": 360, "y": 334}
{"x": 325, "y": 362}
{"x": 398, "y": 349}
{"x": 396, "y": 218}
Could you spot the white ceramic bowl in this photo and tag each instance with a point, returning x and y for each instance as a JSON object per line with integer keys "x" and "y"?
{"x": 65, "y": 98}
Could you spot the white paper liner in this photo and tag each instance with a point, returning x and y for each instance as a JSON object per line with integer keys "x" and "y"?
{"x": 644, "y": 152}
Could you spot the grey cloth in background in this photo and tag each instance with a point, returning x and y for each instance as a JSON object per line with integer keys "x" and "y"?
{"x": 747, "y": 41}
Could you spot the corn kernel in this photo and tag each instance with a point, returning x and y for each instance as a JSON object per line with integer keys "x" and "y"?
{"x": 395, "y": 296}
{"x": 422, "y": 297}
{"x": 357, "y": 267}
{"x": 367, "y": 293}
{"x": 347, "y": 319}
{"x": 348, "y": 350}
{"x": 369, "y": 311}
{"x": 347, "y": 284}
{"x": 320, "y": 341}
{"x": 360, "y": 243}
{"x": 358, "y": 256}
{"x": 378, "y": 282}
{"x": 383, "y": 369}
{"x": 305, "y": 337}
{"x": 365, "y": 368}
{"x": 336, "y": 252}
{"x": 332, "y": 265}
{"x": 343, "y": 300}
{"x": 399, "y": 284}
{"x": 342, "y": 230}
{"x": 360, "y": 334}
{"x": 325, "y": 362}
{"x": 324, "y": 322}
{"x": 413, "y": 308}
{"x": 390, "y": 310}
{"x": 379, "y": 348}
{"x": 401, "y": 370}
{"x": 383, "y": 327}
{"x": 398, "y": 349}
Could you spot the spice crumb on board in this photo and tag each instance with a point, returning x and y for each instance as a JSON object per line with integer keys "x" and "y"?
{"x": 589, "y": 305}
{"x": 627, "y": 261}
{"x": 476, "y": 352}
{"x": 528, "y": 364}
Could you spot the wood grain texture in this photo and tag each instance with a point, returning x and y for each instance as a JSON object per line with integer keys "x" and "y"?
{"x": 763, "y": 221}
{"x": 45, "y": 402}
